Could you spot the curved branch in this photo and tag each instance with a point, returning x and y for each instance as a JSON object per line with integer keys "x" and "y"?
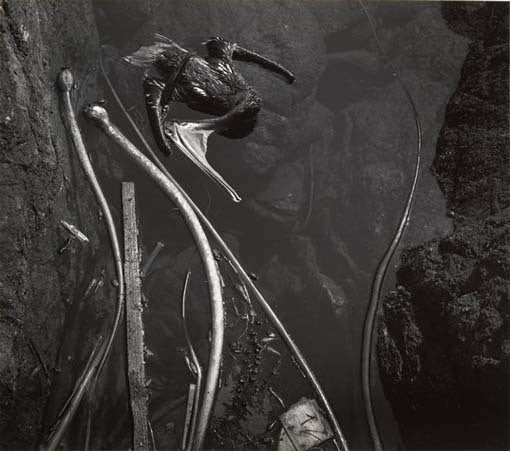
{"x": 65, "y": 84}
{"x": 73, "y": 401}
{"x": 382, "y": 268}
{"x": 196, "y": 364}
{"x": 100, "y": 117}
{"x": 287, "y": 339}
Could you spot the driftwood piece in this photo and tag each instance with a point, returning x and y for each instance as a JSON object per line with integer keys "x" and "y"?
{"x": 264, "y": 304}
{"x": 99, "y": 115}
{"x": 66, "y": 83}
{"x": 266, "y": 307}
{"x": 134, "y": 324}
{"x": 75, "y": 232}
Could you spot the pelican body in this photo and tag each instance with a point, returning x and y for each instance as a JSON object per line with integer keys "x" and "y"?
{"x": 209, "y": 84}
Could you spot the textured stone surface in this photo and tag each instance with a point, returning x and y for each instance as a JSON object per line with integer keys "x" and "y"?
{"x": 38, "y": 190}
{"x": 443, "y": 346}
{"x": 41, "y": 284}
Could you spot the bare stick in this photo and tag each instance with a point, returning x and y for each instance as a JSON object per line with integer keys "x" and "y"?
{"x": 73, "y": 401}
{"x": 382, "y": 268}
{"x": 192, "y": 396}
{"x": 277, "y": 324}
{"x": 134, "y": 322}
{"x": 155, "y": 252}
{"x": 100, "y": 117}
{"x": 75, "y": 232}
{"x": 34, "y": 349}
{"x": 153, "y": 441}
{"x": 196, "y": 365}
{"x": 65, "y": 83}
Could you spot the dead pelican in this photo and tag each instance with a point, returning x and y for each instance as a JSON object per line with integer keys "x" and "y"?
{"x": 211, "y": 85}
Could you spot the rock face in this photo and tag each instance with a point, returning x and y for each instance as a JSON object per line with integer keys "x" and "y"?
{"x": 40, "y": 181}
{"x": 444, "y": 343}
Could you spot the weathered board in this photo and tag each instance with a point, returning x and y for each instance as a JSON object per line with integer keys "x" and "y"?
{"x": 134, "y": 321}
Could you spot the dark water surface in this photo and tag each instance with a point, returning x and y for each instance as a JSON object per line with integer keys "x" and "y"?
{"x": 356, "y": 149}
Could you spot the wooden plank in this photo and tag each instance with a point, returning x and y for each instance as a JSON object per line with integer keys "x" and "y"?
{"x": 134, "y": 324}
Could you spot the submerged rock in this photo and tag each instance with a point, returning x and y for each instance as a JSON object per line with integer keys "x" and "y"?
{"x": 44, "y": 275}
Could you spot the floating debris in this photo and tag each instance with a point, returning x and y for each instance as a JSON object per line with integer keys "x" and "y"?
{"x": 73, "y": 230}
{"x": 99, "y": 116}
{"x": 153, "y": 441}
{"x": 277, "y": 397}
{"x": 192, "y": 396}
{"x": 238, "y": 269}
{"x": 93, "y": 286}
{"x": 303, "y": 427}
{"x": 39, "y": 357}
{"x": 65, "y": 84}
{"x": 68, "y": 410}
{"x": 271, "y": 336}
{"x": 155, "y": 252}
{"x": 66, "y": 245}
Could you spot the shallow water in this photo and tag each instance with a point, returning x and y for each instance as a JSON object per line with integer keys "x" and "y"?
{"x": 354, "y": 159}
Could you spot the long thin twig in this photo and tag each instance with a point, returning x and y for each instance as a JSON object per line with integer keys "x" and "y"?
{"x": 153, "y": 440}
{"x": 277, "y": 324}
{"x": 382, "y": 268}
{"x": 34, "y": 349}
{"x": 65, "y": 83}
{"x": 196, "y": 365}
{"x": 192, "y": 395}
{"x": 155, "y": 252}
{"x": 99, "y": 115}
{"x": 72, "y": 403}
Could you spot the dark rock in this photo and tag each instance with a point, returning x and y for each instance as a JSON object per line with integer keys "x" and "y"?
{"x": 117, "y": 19}
{"x": 299, "y": 267}
{"x": 284, "y": 193}
{"x": 375, "y": 147}
{"x": 42, "y": 184}
{"x": 476, "y": 183}
{"x": 455, "y": 289}
{"x": 261, "y": 158}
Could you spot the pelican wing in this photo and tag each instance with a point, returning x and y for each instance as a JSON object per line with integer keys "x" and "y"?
{"x": 191, "y": 139}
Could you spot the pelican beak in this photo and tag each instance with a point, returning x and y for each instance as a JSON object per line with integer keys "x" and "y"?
{"x": 191, "y": 139}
